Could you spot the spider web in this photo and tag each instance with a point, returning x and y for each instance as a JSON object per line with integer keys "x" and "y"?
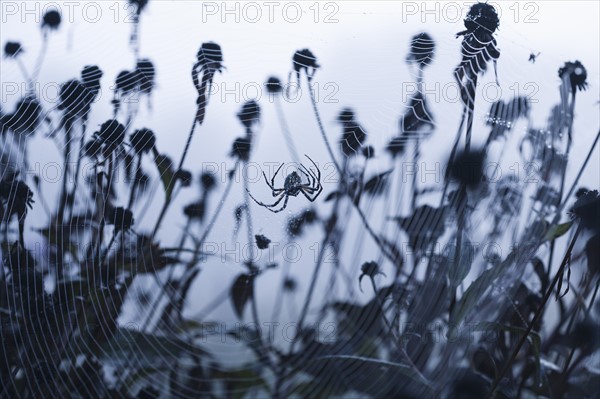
{"x": 416, "y": 127}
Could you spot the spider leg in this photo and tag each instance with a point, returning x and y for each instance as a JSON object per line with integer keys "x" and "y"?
{"x": 307, "y": 193}
{"x": 277, "y": 171}
{"x": 287, "y": 197}
{"x": 267, "y": 181}
{"x": 308, "y": 189}
{"x": 263, "y": 204}
{"x": 316, "y": 167}
{"x": 309, "y": 177}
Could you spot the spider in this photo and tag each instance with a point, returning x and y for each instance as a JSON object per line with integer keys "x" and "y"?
{"x": 293, "y": 186}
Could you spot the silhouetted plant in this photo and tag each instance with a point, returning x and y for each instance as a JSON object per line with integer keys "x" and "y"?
{"x": 74, "y": 295}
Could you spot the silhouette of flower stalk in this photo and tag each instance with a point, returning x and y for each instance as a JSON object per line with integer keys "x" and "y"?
{"x": 209, "y": 62}
{"x": 573, "y": 78}
{"x": 275, "y": 90}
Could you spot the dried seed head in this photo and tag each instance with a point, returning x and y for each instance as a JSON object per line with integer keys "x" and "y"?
{"x": 249, "y": 114}
{"x": 184, "y": 176}
{"x": 51, "y": 20}
{"x": 27, "y": 116}
{"x": 482, "y": 17}
{"x": 145, "y": 75}
{"x": 111, "y": 134}
{"x": 303, "y": 60}
{"x": 121, "y": 218}
{"x": 12, "y": 49}
{"x": 587, "y": 210}
{"x": 422, "y": 49}
{"x": 208, "y": 181}
{"x": 92, "y": 148}
{"x": 261, "y": 241}
{"x": 467, "y": 168}
{"x": 273, "y": 85}
{"x": 126, "y": 81}
{"x": 576, "y": 73}
{"x": 142, "y": 140}
{"x": 195, "y": 210}
{"x": 241, "y": 148}
{"x": 210, "y": 57}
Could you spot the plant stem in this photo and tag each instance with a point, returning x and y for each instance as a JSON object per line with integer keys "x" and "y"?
{"x": 286, "y": 130}
{"x": 168, "y": 201}
{"x": 322, "y": 129}
{"x": 134, "y": 184}
{"x": 538, "y": 313}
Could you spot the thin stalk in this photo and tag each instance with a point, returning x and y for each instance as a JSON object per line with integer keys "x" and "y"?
{"x": 198, "y": 245}
{"x": 322, "y": 129}
{"x": 71, "y": 197}
{"x": 136, "y": 178}
{"x": 168, "y": 201}
{"x": 66, "y": 155}
{"x": 286, "y": 130}
{"x": 104, "y": 209}
{"x": 564, "y": 172}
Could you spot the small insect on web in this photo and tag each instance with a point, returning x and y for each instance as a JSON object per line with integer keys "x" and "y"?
{"x": 293, "y": 186}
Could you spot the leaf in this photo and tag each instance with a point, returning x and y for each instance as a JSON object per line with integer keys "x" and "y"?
{"x": 556, "y": 231}
{"x": 377, "y": 184}
{"x": 459, "y": 269}
{"x": 167, "y": 175}
{"x": 333, "y": 195}
{"x": 534, "y": 338}
{"x": 476, "y": 290}
{"x": 241, "y": 292}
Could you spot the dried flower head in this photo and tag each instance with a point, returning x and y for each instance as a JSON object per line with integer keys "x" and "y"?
{"x": 303, "y": 60}
{"x": 184, "y": 177}
{"x": 241, "y": 148}
{"x": 262, "y": 242}
{"x": 368, "y": 152}
{"x": 195, "y": 210}
{"x": 353, "y": 136}
{"x": 208, "y": 181}
{"x": 126, "y": 81}
{"x": 296, "y": 224}
{"x": 111, "y": 134}
{"x": 249, "y": 114}
{"x": 370, "y": 270}
{"x": 139, "y": 4}
{"x": 210, "y": 57}
{"x": 273, "y": 85}
{"x": 482, "y": 17}
{"x": 121, "y": 218}
{"x": 587, "y": 210}
{"x": 142, "y": 140}
{"x": 90, "y": 77}
{"x": 576, "y": 74}
{"x": 422, "y": 49}
{"x": 51, "y": 19}
{"x": 26, "y": 117}
{"x": 467, "y": 167}
{"x": 92, "y": 148}
{"x": 12, "y": 49}
{"x": 289, "y": 284}
{"x": 145, "y": 75}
